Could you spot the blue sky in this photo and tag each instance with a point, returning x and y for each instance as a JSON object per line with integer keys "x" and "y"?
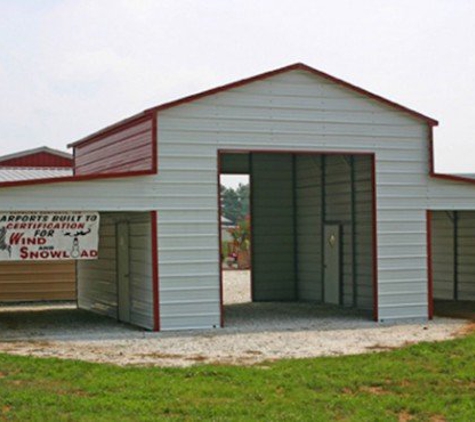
{"x": 70, "y": 67}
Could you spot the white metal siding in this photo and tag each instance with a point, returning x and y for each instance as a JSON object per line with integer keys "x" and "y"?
{"x": 141, "y": 280}
{"x": 97, "y": 279}
{"x": 291, "y": 111}
{"x": 450, "y": 195}
{"x": 363, "y": 186}
{"x": 297, "y": 111}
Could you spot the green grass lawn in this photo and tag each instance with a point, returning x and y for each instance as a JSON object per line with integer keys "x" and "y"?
{"x": 432, "y": 382}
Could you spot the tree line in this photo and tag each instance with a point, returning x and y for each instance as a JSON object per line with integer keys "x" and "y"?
{"x": 235, "y": 202}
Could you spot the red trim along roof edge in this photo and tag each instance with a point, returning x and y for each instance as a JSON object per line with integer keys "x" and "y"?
{"x": 261, "y": 76}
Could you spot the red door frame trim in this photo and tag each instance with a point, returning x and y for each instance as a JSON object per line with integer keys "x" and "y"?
{"x": 430, "y": 282}
{"x": 155, "y": 271}
{"x": 307, "y": 152}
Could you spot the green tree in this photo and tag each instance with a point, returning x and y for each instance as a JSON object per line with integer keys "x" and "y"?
{"x": 243, "y": 193}
{"x": 235, "y": 202}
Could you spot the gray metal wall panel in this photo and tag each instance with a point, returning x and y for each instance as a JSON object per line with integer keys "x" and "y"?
{"x": 273, "y": 235}
{"x": 235, "y": 164}
{"x": 308, "y": 191}
{"x": 97, "y": 279}
{"x": 442, "y": 236}
{"x": 338, "y": 210}
{"x": 466, "y": 255}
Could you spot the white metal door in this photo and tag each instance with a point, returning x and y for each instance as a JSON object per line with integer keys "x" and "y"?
{"x": 331, "y": 264}
{"x": 123, "y": 277}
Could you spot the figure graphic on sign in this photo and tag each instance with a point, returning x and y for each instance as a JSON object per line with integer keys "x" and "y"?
{"x": 3, "y": 241}
{"x": 75, "y": 251}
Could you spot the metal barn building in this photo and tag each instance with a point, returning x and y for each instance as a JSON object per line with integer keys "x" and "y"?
{"x": 347, "y": 176}
{"x": 36, "y": 280}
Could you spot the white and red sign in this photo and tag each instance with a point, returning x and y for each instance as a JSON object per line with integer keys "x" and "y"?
{"x": 39, "y": 236}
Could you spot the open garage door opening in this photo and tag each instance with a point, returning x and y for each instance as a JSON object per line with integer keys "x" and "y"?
{"x": 235, "y": 233}
{"x": 452, "y": 238}
{"x": 118, "y": 284}
{"x": 312, "y": 235}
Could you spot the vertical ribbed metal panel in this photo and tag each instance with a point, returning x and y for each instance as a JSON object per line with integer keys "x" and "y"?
{"x": 308, "y": 191}
{"x": 97, "y": 279}
{"x": 363, "y": 186}
{"x": 273, "y": 236}
{"x": 338, "y": 210}
{"x": 443, "y": 254}
{"x": 141, "y": 284}
{"x": 466, "y": 256}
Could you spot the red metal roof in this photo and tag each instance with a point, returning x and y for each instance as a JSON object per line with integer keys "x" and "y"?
{"x": 37, "y": 158}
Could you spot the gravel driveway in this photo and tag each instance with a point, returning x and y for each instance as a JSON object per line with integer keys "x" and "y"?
{"x": 254, "y": 333}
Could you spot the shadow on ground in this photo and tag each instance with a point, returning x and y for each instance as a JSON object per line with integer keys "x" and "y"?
{"x": 67, "y": 323}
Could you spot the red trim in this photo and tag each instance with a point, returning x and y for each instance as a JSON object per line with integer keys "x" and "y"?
{"x": 130, "y": 121}
{"x": 113, "y": 129}
{"x": 296, "y": 66}
{"x": 155, "y": 273}
{"x": 431, "y": 150}
{"x": 155, "y": 143}
{"x": 37, "y": 157}
{"x": 375, "y": 242}
{"x": 75, "y": 178}
{"x": 374, "y": 205}
{"x": 430, "y": 282}
{"x": 292, "y": 151}
{"x": 38, "y": 160}
{"x": 251, "y": 281}
{"x": 221, "y": 288}
{"x": 74, "y": 162}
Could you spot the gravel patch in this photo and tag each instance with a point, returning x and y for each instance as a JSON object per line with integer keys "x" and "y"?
{"x": 254, "y": 333}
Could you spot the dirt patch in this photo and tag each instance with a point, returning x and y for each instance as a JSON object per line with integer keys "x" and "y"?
{"x": 374, "y": 390}
{"x": 405, "y": 417}
{"x": 438, "y": 418}
{"x": 467, "y": 329}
